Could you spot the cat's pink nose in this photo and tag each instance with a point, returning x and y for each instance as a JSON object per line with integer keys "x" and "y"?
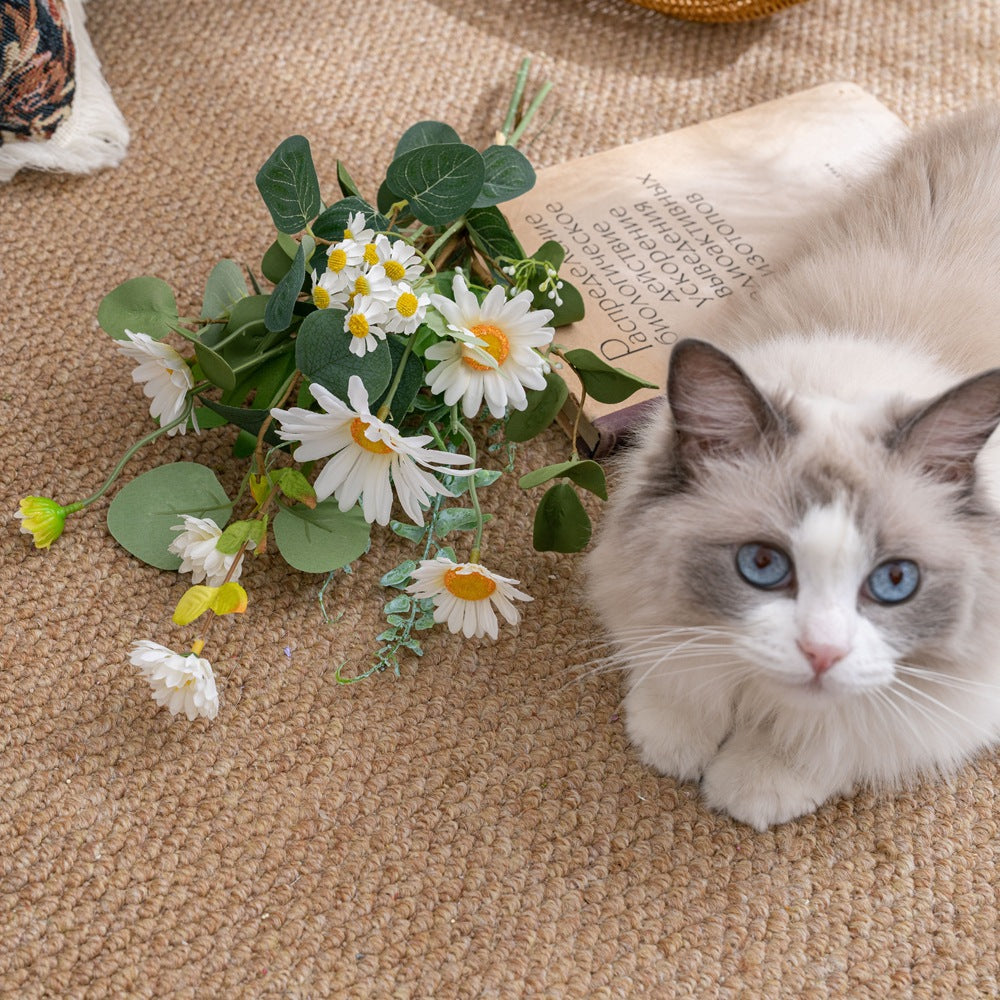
{"x": 821, "y": 656}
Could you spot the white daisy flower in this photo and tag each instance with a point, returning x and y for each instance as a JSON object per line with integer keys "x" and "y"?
{"x": 368, "y": 457}
{"x": 493, "y": 354}
{"x": 358, "y": 231}
{"x": 366, "y": 324}
{"x": 399, "y": 260}
{"x": 406, "y": 310}
{"x": 166, "y": 376}
{"x": 465, "y": 595}
{"x": 344, "y": 261}
{"x": 196, "y": 546}
{"x": 182, "y": 683}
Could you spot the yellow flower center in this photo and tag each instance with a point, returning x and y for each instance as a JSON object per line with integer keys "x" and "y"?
{"x": 348, "y": 235}
{"x": 371, "y": 254}
{"x": 474, "y": 586}
{"x": 361, "y": 286}
{"x": 337, "y": 260}
{"x": 358, "y": 325}
{"x": 358, "y": 427}
{"x": 406, "y": 304}
{"x": 321, "y": 298}
{"x": 497, "y": 346}
{"x": 394, "y": 271}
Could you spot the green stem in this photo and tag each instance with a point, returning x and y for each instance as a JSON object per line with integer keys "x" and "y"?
{"x": 152, "y": 436}
{"x": 515, "y": 98}
{"x": 240, "y": 329}
{"x": 383, "y": 410}
{"x": 543, "y": 92}
{"x": 254, "y": 361}
{"x": 445, "y": 236}
{"x": 477, "y": 541}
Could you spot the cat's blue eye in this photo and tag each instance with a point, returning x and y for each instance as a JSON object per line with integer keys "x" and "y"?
{"x": 893, "y": 581}
{"x": 763, "y": 565}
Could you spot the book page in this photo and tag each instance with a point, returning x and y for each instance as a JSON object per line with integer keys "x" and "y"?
{"x": 659, "y": 232}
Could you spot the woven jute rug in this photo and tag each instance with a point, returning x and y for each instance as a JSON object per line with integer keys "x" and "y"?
{"x": 478, "y": 827}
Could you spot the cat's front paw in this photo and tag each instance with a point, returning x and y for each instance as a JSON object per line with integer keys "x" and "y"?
{"x": 754, "y": 785}
{"x": 669, "y": 739}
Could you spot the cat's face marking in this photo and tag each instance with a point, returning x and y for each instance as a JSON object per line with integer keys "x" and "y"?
{"x": 813, "y": 634}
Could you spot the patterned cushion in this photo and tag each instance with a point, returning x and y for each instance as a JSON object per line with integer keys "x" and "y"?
{"x": 56, "y": 111}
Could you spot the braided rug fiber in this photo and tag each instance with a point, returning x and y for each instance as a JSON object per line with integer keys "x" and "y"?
{"x": 478, "y": 827}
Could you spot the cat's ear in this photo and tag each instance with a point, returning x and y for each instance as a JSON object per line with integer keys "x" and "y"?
{"x": 946, "y": 434}
{"x": 717, "y": 409}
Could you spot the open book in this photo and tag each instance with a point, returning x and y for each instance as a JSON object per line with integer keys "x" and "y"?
{"x": 659, "y": 232}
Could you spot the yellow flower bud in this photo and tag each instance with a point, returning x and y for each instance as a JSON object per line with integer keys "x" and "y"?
{"x": 44, "y": 519}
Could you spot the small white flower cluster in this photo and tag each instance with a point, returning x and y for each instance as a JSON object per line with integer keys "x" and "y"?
{"x": 372, "y": 278}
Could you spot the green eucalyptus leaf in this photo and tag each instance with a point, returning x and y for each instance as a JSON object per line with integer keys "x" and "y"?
{"x": 142, "y": 305}
{"x": 323, "y": 355}
{"x": 215, "y": 367}
{"x": 561, "y": 523}
{"x": 550, "y": 252}
{"x": 347, "y": 186}
{"x": 387, "y": 197}
{"x": 426, "y": 133}
{"x": 491, "y": 234}
{"x": 440, "y": 182}
{"x": 224, "y": 288}
{"x": 245, "y": 444}
{"x": 508, "y": 174}
{"x": 145, "y": 509}
{"x": 275, "y": 263}
{"x": 543, "y": 406}
{"x": 246, "y": 418}
{"x": 605, "y": 383}
{"x": 332, "y": 223}
{"x": 570, "y": 311}
{"x": 410, "y": 383}
{"x": 281, "y": 303}
{"x": 322, "y": 539}
{"x": 289, "y": 186}
{"x": 583, "y": 472}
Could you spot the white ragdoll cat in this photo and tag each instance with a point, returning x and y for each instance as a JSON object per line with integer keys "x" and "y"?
{"x": 800, "y": 569}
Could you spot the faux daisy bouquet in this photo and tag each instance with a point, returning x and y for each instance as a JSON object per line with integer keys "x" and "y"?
{"x": 379, "y": 368}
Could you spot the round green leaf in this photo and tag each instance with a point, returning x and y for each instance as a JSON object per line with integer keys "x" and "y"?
{"x": 543, "y": 405}
{"x": 323, "y": 354}
{"x": 427, "y": 133}
{"x": 333, "y": 221}
{"x": 491, "y": 233}
{"x": 583, "y": 472}
{"x": 224, "y": 288}
{"x": 322, "y": 539}
{"x": 215, "y": 367}
{"x": 561, "y": 523}
{"x": 142, "y": 305}
{"x": 288, "y": 184}
{"x": 605, "y": 383}
{"x": 508, "y": 174}
{"x": 440, "y": 182}
{"x": 275, "y": 263}
{"x": 409, "y": 385}
{"x": 143, "y": 512}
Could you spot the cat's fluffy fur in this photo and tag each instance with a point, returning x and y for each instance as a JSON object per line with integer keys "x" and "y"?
{"x": 849, "y": 430}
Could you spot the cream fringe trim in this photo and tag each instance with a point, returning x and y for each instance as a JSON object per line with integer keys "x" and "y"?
{"x": 95, "y": 134}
